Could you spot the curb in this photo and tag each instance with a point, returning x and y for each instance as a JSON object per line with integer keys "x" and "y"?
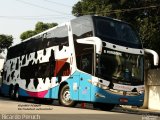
{"x": 137, "y": 110}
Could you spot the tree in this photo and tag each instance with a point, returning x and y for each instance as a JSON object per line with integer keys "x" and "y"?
{"x": 137, "y": 12}
{"x": 39, "y": 27}
{"x": 28, "y": 34}
{"x": 5, "y": 42}
{"x": 92, "y": 7}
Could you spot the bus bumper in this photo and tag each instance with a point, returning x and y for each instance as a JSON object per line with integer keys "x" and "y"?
{"x": 104, "y": 96}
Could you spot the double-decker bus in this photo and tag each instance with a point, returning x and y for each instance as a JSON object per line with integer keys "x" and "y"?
{"x": 89, "y": 59}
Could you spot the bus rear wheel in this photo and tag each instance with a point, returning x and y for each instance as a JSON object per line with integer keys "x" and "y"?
{"x": 104, "y": 106}
{"x": 64, "y": 97}
{"x": 16, "y": 93}
{"x": 11, "y": 92}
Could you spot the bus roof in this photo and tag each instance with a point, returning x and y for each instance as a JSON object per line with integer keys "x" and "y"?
{"x": 87, "y": 17}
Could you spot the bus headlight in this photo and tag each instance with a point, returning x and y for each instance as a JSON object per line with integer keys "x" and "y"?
{"x": 100, "y": 85}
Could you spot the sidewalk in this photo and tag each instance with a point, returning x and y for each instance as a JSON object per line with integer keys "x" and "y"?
{"x": 127, "y": 109}
{"x": 136, "y": 110}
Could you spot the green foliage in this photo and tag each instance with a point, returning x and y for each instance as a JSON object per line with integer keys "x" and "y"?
{"x": 5, "y": 41}
{"x": 146, "y": 20}
{"x": 39, "y": 27}
{"x": 28, "y": 34}
{"x": 94, "y": 7}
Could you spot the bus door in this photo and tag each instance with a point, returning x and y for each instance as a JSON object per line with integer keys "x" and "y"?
{"x": 85, "y": 60}
{"x": 86, "y": 65}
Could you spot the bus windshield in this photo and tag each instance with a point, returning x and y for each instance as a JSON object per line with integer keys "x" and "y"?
{"x": 116, "y": 32}
{"x": 120, "y": 67}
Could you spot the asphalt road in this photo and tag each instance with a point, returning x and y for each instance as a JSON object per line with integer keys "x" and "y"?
{"x": 28, "y": 110}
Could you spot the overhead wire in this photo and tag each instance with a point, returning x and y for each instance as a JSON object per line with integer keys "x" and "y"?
{"x": 57, "y": 3}
{"x": 38, "y": 6}
{"x": 65, "y": 15}
{"x": 34, "y": 17}
{"x": 123, "y": 10}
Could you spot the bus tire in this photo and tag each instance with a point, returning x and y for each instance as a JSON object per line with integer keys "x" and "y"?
{"x": 16, "y": 93}
{"x": 11, "y": 92}
{"x": 64, "y": 97}
{"x": 104, "y": 106}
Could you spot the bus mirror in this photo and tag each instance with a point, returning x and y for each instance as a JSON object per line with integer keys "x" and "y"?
{"x": 94, "y": 41}
{"x": 155, "y": 56}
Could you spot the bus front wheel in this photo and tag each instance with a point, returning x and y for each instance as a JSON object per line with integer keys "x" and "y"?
{"x": 64, "y": 97}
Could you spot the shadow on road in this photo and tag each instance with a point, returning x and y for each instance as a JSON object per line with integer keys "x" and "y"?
{"x": 89, "y": 106}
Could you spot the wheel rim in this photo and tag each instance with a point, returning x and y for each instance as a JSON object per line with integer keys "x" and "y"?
{"x": 66, "y": 97}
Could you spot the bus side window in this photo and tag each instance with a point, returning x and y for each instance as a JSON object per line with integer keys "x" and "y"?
{"x": 55, "y": 37}
{"x": 61, "y": 36}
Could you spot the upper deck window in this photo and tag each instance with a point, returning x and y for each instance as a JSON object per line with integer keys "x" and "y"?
{"x": 55, "y": 37}
{"x": 116, "y": 32}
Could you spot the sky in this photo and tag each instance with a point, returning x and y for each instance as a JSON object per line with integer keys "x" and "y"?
{"x": 17, "y": 16}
